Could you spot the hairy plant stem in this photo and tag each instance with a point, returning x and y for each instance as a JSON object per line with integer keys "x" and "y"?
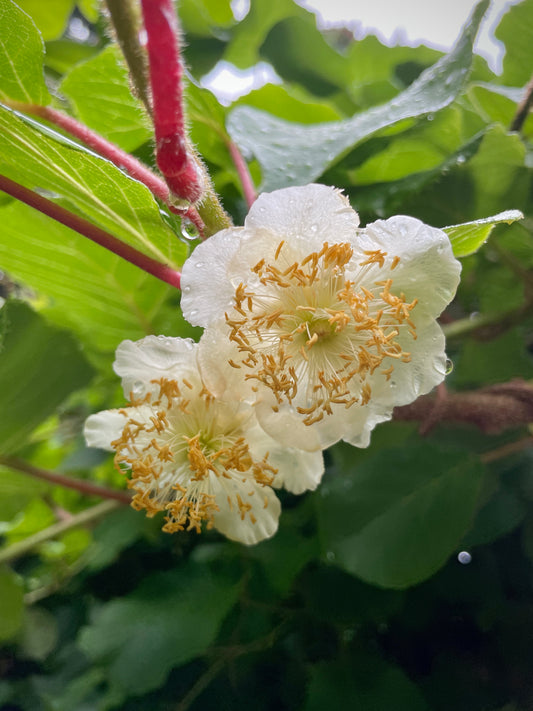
{"x": 17, "y": 550}
{"x": 209, "y": 208}
{"x": 113, "y": 153}
{"x": 126, "y": 23}
{"x": 85, "y": 487}
{"x": 248, "y": 187}
{"x": 166, "y": 82}
{"x": 92, "y": 232}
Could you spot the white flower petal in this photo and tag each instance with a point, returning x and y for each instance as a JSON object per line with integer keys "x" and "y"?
{"x": 265, "y": 509}
{"x": 205, "y": 273}
{"x": 425, "y": 370}
{"x": 285, "y": 424}
{"x": 103, "y": 428}
{"x": 298, "y": 470}
{"x": 151, "y": 358}
{"x": 313, "y": 213}
{"x": 427, "y": 269}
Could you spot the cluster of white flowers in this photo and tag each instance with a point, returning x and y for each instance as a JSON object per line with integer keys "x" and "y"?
{"x": 315, "y": 329}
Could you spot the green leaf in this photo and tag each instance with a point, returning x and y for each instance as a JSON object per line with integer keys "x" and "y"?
{"x": 21, "y": 57}
{"x": 16, "y": 491}
{"x": 468, "y": 237}
{"x": 89, "y": 185}
{"x": 99, "y": 90}
{"x": 280, "y": 146}
{"x": 249, "y": 35}
{"x": 389, "y": 522}
{"x": 289, "y": 103}
{"x": 170, "y": 619}
{"x": 499, "y": 174}
{"x": 51, "y": 17}
{"x": 200, "y": 17}
{"x": 39, "y": 634}
{"x": 113, "y": 534}
{"x": 284, "y": 555}
{"x": 366, "y": 684}
{"x": 323, "y": 71}
{"x": 11, "y": 604}
{"x": 100, "y": 296}
{"x": 40, "y": 366}
{"x": 515, "y": 31}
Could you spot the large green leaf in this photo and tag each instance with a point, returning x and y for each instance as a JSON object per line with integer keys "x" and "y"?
{"x": 103, "y": 298}
{"x": 99, "y": 90}
{"x": 468, "y": 237}
{"x": 51, "y": 17}
{"x": 170, "y": 619}
{"x": 280, "y": 146}
{"x": 40, "y": 366}
{"x": 396, "y": 519}
{"x": 21, "y": 57}
{"x": 515, "y": 31}
{"x": 88, "y": 184}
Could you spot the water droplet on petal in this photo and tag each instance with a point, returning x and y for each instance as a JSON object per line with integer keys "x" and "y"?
{"x": 448, "y": 368}
{"x": 186, "y": 290}
{"x": 137, "y": 389}
{"x": 199, "y": 265}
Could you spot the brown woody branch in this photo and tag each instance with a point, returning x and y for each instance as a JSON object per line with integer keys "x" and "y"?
{"x": 493, "y": 409}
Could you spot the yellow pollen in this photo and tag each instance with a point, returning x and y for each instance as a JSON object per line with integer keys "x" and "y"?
{"x": 170, "y": 471}
{"x": 313, "y": 333}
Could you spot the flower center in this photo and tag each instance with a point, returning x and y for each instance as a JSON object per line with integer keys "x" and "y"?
{"x": 313, "y": 336}
{"x": 174, "y": 446}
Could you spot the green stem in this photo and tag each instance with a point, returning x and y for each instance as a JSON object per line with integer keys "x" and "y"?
{"x": 126, "y": 23}
{"x": 83, "y": 518}
{"x": 501, "y": 321}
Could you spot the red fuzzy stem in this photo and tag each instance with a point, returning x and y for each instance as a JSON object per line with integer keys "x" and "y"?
{"x": 92, "y": 232}
{"x": 248, "y": 187}
{"x": 166, "y": 80}
{"x": 106, "y": 149}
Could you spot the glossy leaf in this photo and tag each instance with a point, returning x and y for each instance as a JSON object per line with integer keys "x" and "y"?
{"x": 98, "y": 295}
{"x": 91, "y": 186}
{"x": 21, "y": 57}
{"x": 388, "y": 522}
{"x": 279, "y": 146}
{"x": 470, "y": 236}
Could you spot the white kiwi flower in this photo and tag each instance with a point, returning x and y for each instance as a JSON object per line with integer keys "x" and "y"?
{"x": 328, "y": 324}
{"x": 202, "y": 460}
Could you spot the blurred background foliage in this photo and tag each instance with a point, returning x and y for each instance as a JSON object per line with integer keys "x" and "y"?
{"x": 405, "y": 581}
